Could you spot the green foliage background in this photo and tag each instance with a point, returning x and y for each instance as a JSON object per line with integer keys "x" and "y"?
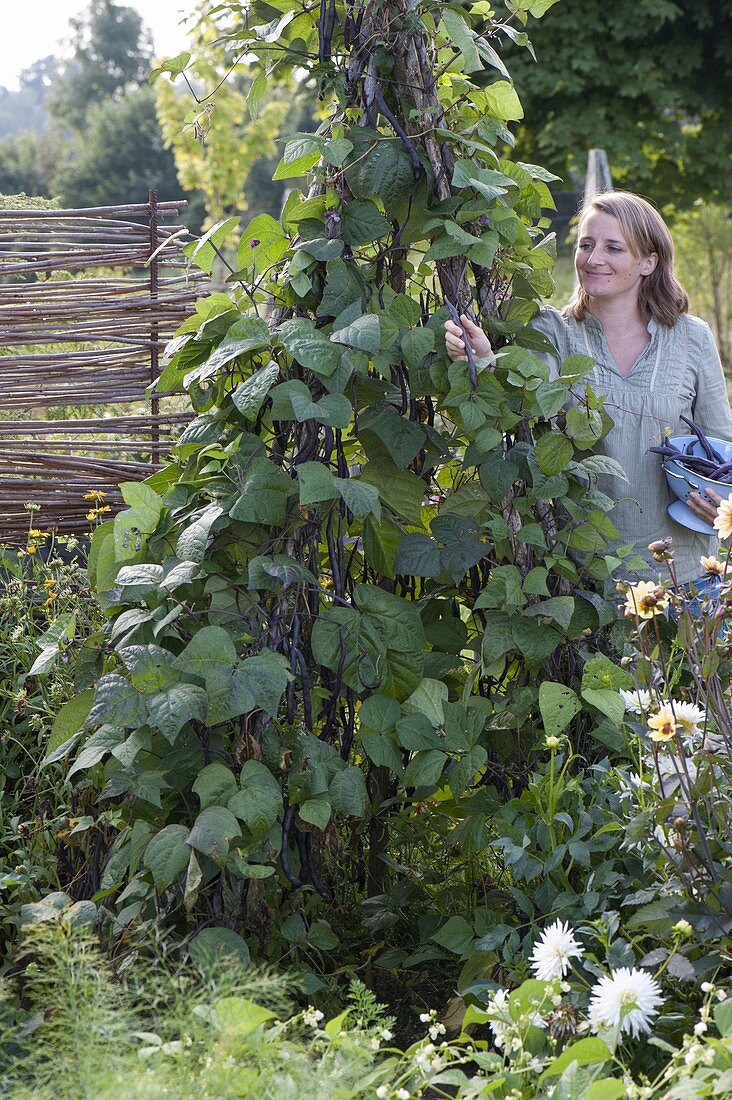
{"x": 643, "y": 79}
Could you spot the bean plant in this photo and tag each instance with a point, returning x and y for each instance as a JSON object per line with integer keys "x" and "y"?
{"x": 366, "y": 576}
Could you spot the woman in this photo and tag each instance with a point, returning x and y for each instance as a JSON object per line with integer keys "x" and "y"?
{"x": 653, "y": 363}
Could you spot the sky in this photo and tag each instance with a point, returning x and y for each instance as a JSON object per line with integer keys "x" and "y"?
{"x": 34, "y": 29}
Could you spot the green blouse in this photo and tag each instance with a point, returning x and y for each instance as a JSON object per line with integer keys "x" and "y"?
{"x": 678, "y": 372}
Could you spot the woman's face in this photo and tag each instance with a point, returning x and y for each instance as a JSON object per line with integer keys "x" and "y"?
{"x": 606, "y": 266}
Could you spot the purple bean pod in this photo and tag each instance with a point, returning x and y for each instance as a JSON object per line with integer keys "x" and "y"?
{"x": 709, "y": 450}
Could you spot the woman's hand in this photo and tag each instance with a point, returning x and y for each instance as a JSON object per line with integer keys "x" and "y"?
{"x": 705, "y": 506}
{"x": 455, "y": 344}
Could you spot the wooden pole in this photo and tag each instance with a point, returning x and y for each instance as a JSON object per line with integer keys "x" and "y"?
{"x": 598, "y": 177}
{"x": 154, "y": 363}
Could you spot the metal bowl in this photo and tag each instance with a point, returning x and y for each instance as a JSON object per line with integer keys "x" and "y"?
{"x": 682, "y": 481}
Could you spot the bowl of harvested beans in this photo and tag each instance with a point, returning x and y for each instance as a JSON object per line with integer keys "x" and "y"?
{"x": 692, "y": 464}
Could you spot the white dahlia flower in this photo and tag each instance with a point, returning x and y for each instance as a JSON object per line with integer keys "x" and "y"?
{"x": 689, "y": 717}
{"x": 637, "y": 701}
{"x": 552, "y": 952}
{"x": 627, "y": 998}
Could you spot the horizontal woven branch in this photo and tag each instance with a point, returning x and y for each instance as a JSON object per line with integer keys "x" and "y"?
{"x": 20, "y": 437}
{"x": 89, "y": 213}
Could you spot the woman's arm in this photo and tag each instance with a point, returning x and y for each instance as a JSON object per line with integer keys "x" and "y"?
{"x": 710, "y": 410}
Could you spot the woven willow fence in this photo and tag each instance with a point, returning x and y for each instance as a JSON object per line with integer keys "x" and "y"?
{"x": 88, "y": 299}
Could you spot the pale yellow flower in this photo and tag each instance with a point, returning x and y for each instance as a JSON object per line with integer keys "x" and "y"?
{"x": 662, "y": 725}
{"x": 645, "y": 600}
{"x": 723, "y": 519}
{"x": 712, "y": 565}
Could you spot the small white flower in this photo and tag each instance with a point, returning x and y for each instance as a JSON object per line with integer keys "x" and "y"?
{"x": 721, "y": 994}
{"x": 627, "y": 998}
{"x": 375, "y": 1044}
{"x": 708, "y": 1056}
{"x": 403, "y": 1094}
{"x": 381, "y": 1091}
{"x": 437, "y": 1063}
{"x": 638, "y": 701}
{"x": 312, "y": 1016}
{"x": 692, "y": 1054}
{"x": 700, "y": 1028}
{"x": 386, "y": 1035}
{"x": 425, "y": 1017}
{"x": 707, "y": 987}
{"x": 435, "y": 1031}
{"x": 551, "y": 954}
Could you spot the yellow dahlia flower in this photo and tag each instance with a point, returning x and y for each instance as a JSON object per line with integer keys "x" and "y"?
{"x": 645, "y": 600}
{"x": 662, "y": 725}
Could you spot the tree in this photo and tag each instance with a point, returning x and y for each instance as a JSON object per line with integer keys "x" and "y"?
{"x": 25, "y": 110}
{"x": 703, "y": 237}
{"x": 113, "y": 150}
{"x": 659, "y": 109}
{"x": 27, "y": 163}
{"x": 121, "y": 156}
{"x": 233, "y": 161}
{"x": 112, "y": 53}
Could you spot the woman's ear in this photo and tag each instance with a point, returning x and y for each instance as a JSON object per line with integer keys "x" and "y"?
{"x": 648, "y": 263}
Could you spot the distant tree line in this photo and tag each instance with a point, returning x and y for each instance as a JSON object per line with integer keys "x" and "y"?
{"x": 644, "y": 79}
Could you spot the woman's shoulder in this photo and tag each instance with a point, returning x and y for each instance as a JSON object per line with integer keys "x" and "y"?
{"x": 694, "y": 333}
{"x": 688, "y": 323}
{"x": 697, "y": 326}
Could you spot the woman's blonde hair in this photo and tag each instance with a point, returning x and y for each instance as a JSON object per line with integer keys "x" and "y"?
{"x": 661, "y": 294}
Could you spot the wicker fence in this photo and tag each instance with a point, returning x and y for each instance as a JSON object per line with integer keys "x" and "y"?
{"x": 88, "y": 299}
